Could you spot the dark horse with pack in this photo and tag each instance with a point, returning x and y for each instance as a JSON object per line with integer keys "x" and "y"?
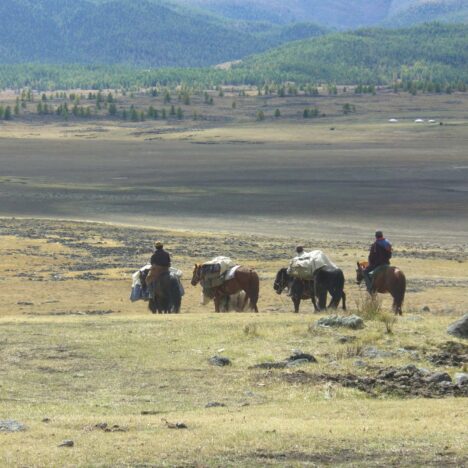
{"x": 325, "y": 280}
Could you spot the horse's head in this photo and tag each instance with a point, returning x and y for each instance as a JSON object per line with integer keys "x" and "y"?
{"x": 196, "y": 276}
{"x": 361, "y": 266}
{"x": 282, "y": 281}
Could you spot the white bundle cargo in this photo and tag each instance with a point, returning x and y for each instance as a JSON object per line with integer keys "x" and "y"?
{"x": 136, "y": 277}
{"x": 214, "y": 273}
{"x": 139, "y": 288}
{"x": 308, "y": 263}
{"x": 218, "y": 265}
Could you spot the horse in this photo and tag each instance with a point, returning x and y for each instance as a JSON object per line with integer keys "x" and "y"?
{"x": 233, "y": 303}
{"x": 298, "y": 289}
{"x": 326, "y": 279}
{"x": 330, "y": 279}
{"x": 386, "y": 280}
{"x": 245, "y": 279}
{"x": 167, "y": 296}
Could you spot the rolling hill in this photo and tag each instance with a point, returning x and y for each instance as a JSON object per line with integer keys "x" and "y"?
{"x": 410, "y": 12}
{"x": 133, "y": 32}
{"x": 433, "y": 52}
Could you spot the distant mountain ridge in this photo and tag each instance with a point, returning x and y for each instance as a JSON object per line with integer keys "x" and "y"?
{"x": 340, "y": 14}
{"x": 137, "y": 32}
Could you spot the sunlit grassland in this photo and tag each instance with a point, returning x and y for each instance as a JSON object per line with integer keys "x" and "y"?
{"x": 77, "y": 371}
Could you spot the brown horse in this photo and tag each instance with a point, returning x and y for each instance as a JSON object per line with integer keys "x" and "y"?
{"x": 387, "y": 280}
{"x": 245, "y": 279}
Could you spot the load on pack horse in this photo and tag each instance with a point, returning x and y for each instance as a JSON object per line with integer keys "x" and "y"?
{"x": 165, "y": 297}
{"x": 220, "y": 278}
{"x": 379, "y": 276}
{"x": 312, "y": 275}
{"x": 159, "y": 284}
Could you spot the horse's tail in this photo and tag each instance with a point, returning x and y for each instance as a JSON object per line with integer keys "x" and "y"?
{"x": 336, "y": 288}
{"x": 254, "y": 289}
{"x": 400, "y": 290}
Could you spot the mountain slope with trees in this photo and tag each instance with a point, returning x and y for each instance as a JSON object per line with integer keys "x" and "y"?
{"x": 433, "y": 52}
{"x": 433, "y": 55}
{"x": 135, "y": 32}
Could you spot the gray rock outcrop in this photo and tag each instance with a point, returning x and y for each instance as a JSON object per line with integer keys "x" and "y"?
{"x": 459, "y": 328}
{"x": 352, "y": 321}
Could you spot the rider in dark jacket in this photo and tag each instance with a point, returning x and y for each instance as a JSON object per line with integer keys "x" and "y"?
{"x": 160, "y": 263}
{"x": 160, "y": 256}
{"x": 380, "y": 254}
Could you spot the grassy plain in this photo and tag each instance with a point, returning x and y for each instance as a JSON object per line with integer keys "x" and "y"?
{"x": 74, "y": 352}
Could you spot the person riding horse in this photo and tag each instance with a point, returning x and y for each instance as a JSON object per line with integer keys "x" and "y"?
{"x": 160, "y": 264}
{"x": 299, "y": 250}
{"x": 380, "y": 254}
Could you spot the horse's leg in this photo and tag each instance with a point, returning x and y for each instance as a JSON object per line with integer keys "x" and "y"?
{"x": 216, "y": 303}
{"x": 314, "y": 302}
{"x": 252, "y": 290}
{"x": 401, "y": 292}
{"x": 343, "y": 298}
{"x": 397, "y": 303}
{"x": 334, "y": 301}
{"x": 245, "y": 301}
{"x": 321, "y": 294}
{"x": 322, "y": 299}
{"x": 152, "y": 306}
{"x": 297, "y": 302}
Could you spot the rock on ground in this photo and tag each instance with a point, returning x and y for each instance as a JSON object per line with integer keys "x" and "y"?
{"x": 353, "y": 321}
{"x": 461, "y": 378}
{"x": 219, "y": 361}
{"x": 459, "y": 328}
{"x": 11, "y": 426}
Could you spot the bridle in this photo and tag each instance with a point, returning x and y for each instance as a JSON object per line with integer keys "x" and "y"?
{"x": 280, "y": 283}
{"x": 359, "y": 274}
{"x": 196, "y": 278}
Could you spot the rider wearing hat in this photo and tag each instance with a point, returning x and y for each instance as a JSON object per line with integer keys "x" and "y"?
{"x": 160, "y": 263}
{"x": 299, "y": 250}
{"x": 380, "y": 254}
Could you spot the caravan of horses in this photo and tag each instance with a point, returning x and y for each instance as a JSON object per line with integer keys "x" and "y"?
{"x": 311, "y": 276}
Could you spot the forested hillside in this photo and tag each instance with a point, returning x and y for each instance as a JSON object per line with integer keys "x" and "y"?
{"x": 135, "y": 32}
{"x": 434, "y": 52}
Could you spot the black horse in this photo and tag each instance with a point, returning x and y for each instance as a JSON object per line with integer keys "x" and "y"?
{"x": 325, "y": 280}
{"x": 167, "y": 297}
{"x": 298, "y": 289}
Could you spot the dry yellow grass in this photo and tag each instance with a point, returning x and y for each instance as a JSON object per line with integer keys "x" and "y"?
{"x": 81, "y": 370}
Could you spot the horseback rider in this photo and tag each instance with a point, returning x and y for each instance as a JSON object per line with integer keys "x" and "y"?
{"x": 299, "y": 250}
{"x": 160, "y": 264}
{"x": 380, "y": 254}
